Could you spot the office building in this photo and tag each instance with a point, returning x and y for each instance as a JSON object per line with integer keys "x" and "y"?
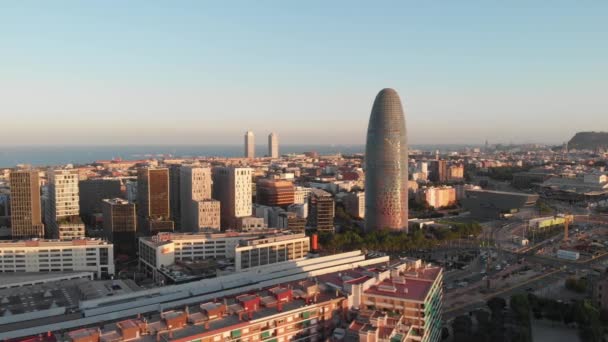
{"x": 291, "y": 221}
{"x": 263, "y": 247}
{"x": 274, "y": 193}
{"x": 57, "y": 256}
{"x": 268, "y": 250}
{"x": 198, "y": 210}
{"x": 120, "y": 225}
{"x": 232, "y": 187}
{"x": 131, "y": 191}
{"x": 438, "y": 171}
{"x": 62, "y": 207}
{"x": 273, "y": 145}
{"x": 26, "y": 213}
{"x": 175, "y": 200}
{"x": 249, "y": 145}
{"x": 269, "y": 214}
{"x": 437, "y": 197}
{"x": 153, "y": 200}
{"x": 205, "y": 215}
{"x": 250, "y": 224}
{"x": 455, "y": 173}
{"x": 322, "y": 210}
{"x": 93, "y": 191}
{"x": 386, "y": 165}
{"x": 299, "y": 209}
{"x": 354, "y": 204}
{"x": 301, "y": 195}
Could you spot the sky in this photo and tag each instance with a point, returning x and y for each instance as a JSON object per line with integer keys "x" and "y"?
{"x": 204, "y": 72}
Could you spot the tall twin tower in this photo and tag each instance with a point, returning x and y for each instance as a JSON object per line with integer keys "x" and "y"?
{"x": 386, "y": 165}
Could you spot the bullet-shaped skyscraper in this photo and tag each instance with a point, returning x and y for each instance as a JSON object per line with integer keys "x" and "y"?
{"x": 386, "y": 156}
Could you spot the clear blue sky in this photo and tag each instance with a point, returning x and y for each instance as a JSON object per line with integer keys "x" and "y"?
{"x": 201, "y": 72}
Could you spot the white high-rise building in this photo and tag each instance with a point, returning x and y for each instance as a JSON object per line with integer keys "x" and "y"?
{"x": 62, "y": 209}
{"x": 301, "y": 195}
{"x": 273, "y": 145}
{"x": 198, "y": 210}
{"x": 232, "y": 187}
{"x": 249, "y": 145}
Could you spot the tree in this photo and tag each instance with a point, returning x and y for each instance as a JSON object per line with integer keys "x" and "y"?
{"x": 576, "y": 285}
{"x": 497, "y": 305}
{"x": 521, "y": 307}
{"x": 462, "y": 327}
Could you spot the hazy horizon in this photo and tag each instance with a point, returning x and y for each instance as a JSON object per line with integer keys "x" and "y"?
{"x": 200, "y": 73}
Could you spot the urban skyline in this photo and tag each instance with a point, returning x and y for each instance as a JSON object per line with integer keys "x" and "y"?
{"x": 469, "y": 204}
{"x": 472, "y": 74}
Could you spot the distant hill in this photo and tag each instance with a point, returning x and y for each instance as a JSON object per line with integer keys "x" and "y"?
{"x": 589, "y": 140}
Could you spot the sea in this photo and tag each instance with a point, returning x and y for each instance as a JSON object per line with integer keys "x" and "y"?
{"x": 49, "y": 155}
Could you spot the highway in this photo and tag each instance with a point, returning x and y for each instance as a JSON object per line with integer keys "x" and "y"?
{"x": 495, "y": 235}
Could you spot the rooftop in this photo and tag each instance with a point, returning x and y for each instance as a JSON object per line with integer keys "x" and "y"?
{"x": 52, "y": 243}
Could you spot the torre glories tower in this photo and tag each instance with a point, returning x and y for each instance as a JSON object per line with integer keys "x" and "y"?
{"x": 386, "y": 164}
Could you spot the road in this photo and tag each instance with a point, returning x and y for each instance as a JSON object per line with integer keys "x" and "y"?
{"x": 535, "y": 283}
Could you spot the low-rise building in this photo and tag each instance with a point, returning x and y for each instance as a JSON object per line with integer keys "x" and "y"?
{"x": 269, "y": 250}
{"x": 375, "y": 300}
{"x": 494, "y": 204}
{"x": 162, "y": 250}
{"x": 41, "y": 255}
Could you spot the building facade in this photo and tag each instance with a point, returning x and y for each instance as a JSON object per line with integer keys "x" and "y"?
{"x": 198, "y": 210}
{"x": 274, "y": 193}
{"x": 164, "y": 249}
{"x": 273, "y": 145}
{"x": 57, "y": 256}
{"x": 63, "y": 206}
{"x": 269, "y": 250}
{"x": 206, "y": 215}
{"x": 354, "y": 203}
{"x": 175, "y": 191}
{"x": 249, "y": 145}
{"x": 455, "y": 173}
{"x": 322, "y": 210}
{"x": 437, "y": 197}
{"x": 301, "y": 195}
{"x": 26, "y": 213}
{"x": 438, "y": 171}
{"x": 153, "y": 209}
{"x": 93, "y": 191}
{"x": 120, "y": 224}
{"x": 386, "y": 164}
{"x": 232, "y": 187}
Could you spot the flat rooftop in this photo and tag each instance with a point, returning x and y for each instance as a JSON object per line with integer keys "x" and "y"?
{"x": 501, "y": 192}
{"x": 52, "y": 243}
{"x": 247, "y": 236}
